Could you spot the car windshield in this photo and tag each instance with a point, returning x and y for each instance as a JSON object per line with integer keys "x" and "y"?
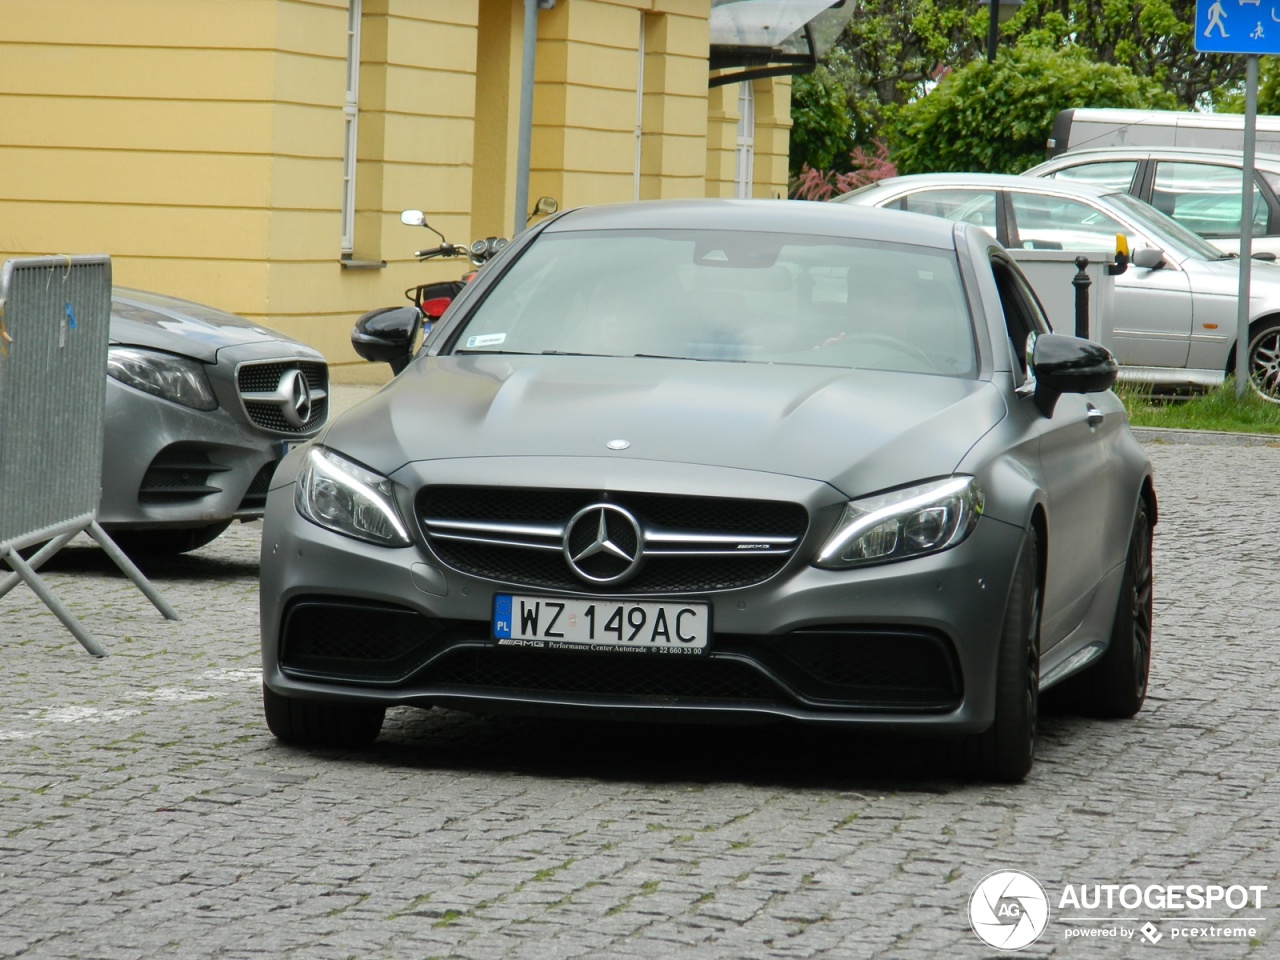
{"x": 1169, "y": 232}
{"x": 729, "y": 296}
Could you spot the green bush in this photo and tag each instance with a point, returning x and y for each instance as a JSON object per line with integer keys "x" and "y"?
{"x": 996, "y": 118}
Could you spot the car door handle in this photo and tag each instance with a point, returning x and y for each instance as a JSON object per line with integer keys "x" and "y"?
{"x": 1093, "y": 415}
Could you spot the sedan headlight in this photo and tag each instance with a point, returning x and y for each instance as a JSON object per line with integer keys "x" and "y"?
{"x": 340, "y": 495}
{"x": 903, "y": 523}
{"x": 175, "y": 378}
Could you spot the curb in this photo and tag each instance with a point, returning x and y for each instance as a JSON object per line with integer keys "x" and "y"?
{"x": 1205, "y": 437}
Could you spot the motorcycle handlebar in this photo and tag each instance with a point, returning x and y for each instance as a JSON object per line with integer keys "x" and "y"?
{"x": 444, "y": 250}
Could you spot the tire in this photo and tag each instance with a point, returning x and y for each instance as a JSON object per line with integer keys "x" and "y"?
{"x": 1004, "y": 751}
{"x": 320, "y": 723}
{"x": 1115, "y": 686}
{"x": 1264, "y": 361}
{"x": 166, "y": 542}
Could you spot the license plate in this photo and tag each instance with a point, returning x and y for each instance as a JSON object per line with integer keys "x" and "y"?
{"x": 567, "y": 623}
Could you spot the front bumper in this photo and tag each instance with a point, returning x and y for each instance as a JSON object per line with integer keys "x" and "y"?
{"x": 904, "y": 647}
{"x": 166, "y": 465}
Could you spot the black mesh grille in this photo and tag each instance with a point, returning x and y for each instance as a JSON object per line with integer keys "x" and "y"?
{"x": 358, "y": 640}
{"x": 265, "y": 377}
{"x": 838, "y": 664}
{"x": 255, "y": 498}
{"x": 830, "y": 668}
{"x": 179, "y": 473}
{"x": 659, "y": 573}
{"x": 616, "y": 676}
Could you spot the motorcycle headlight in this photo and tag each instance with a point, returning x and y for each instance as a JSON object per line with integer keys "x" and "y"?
{"x": 175, "y": 378}
{"x": 904, "y": 523}
{"x": 340, "y": 495}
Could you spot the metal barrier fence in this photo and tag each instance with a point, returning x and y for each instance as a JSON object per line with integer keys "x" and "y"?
{"x": 55, "y": 314}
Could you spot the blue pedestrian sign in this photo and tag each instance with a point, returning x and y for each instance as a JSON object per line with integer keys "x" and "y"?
{"x": 1238, "y": 26}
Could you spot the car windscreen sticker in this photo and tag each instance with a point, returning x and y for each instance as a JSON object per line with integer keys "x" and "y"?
{"x": 486, "y": 340}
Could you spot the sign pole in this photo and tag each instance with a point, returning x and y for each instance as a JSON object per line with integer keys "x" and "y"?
{"x": 1246, "y": 224}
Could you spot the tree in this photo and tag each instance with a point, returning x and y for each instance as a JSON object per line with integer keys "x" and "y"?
{"x": 995, "y": 118}
{"x": 1155, "y": 39}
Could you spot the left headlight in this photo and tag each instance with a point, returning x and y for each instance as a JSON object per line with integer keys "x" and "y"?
{"x": 166, "y": 375}
{"x": 904, "y": 523}
{"x": 340, "y": 495}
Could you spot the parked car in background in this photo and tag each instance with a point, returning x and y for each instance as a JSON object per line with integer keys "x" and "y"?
{"x": 1174, "y": 319}
{"x": 722, "y": 461}
{"x": 1200, "y": 189}
{"x": 201, "y": 406}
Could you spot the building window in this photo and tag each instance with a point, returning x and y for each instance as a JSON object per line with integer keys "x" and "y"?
{"x": 350, "y": 112}
{"x": 746, "y": 142}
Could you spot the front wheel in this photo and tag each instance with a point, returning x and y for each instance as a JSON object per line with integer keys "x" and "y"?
{"x": 320, "y": 723}
{"x": 1005, "y": 750}
{"x": 1264, "y": 360}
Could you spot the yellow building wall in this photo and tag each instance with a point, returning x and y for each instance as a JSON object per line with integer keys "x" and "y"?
{"x": 201, "y": 143}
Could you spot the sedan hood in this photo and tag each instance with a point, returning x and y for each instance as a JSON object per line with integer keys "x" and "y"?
{"x": 859, "y": 430}
{"x": 154, "y": 320}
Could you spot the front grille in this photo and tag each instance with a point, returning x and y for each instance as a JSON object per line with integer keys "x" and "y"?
{"x": 264, "y": 378}
{"x": 180, "y": 473}
{"x": 615, "y": 676}
{"x": 689, "y": 544}
{"x": 826, "y": 669}
{"x": 255, "y": 498}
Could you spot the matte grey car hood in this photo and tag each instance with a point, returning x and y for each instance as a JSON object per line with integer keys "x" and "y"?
{"x": 856, "y": 429}
{"x": 160, "y": 322}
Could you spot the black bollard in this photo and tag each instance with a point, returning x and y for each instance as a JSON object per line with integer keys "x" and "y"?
{"x": 1082, "y": 283}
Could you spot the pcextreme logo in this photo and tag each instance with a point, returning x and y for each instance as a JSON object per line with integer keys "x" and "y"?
{"x": 1008, "y": 909}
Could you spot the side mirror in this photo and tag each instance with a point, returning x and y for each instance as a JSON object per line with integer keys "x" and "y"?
{"x": 1069, "y": 365}
{"x": 387, "y": 335}
{"x": 1266, "y": 255}
{"x": 413, "y": 218}
{"x": 1148, "y": 258}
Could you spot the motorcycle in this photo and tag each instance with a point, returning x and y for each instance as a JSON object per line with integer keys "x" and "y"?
{"x": 389, "y": 334}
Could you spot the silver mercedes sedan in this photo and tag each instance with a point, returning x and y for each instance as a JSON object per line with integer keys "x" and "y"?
{"x": 722, "y": 461}
{"x": 201, "y": 406}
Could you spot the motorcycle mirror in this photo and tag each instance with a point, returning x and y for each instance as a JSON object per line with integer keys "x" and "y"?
{"x": 413, "y": 218}
{"x": 544, "y": 207}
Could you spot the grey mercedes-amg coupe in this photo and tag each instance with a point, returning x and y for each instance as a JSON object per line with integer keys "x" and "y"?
{"x": 721, "y": 461}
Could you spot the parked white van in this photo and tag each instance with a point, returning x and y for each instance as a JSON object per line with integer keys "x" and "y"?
{"x": 1084, "y": 128}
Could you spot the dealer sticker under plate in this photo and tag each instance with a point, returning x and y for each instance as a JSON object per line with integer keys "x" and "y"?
{"x": 568, "y": 623}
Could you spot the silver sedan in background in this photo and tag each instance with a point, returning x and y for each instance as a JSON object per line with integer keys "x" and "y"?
{"x": 722, "y": 461}
{"x": 201, "y": 407}
{"x": 1174, "y": 321}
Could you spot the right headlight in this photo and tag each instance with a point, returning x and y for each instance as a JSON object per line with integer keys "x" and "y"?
{"x": 340, "y": 495}
{"x": 167, "y": 375}
{"x": 899, "y": 524}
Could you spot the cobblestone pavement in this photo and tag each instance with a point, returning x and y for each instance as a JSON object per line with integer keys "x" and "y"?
{"x": 146, "y": 812}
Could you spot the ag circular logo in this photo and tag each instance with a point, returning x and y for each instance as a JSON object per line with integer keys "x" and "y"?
{"x": 1008, "y": 909}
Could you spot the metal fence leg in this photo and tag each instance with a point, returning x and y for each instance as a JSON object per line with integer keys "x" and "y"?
{"x": 131, "y": 571}
{"x": 36, "y": 561}
{"x": 23, "y": 569}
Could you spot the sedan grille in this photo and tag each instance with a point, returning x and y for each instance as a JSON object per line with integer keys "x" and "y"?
{"x": 658, "y": 543}
{"x": 274, "y": 401}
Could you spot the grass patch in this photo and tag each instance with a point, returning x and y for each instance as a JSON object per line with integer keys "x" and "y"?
{"x": 1219, "y": 409}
